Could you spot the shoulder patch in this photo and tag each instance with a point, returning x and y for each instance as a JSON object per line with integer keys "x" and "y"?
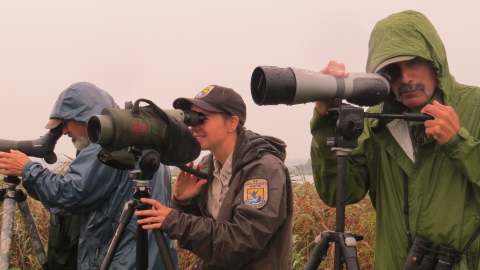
{"x": 255, "y": 193}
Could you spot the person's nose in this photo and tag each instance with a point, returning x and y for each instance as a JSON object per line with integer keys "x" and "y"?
{"x": 406, "y": 75}
{"x": 194, "y": 128}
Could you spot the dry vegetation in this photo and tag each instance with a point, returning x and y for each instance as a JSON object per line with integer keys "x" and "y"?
{"x": 311, "y": 217}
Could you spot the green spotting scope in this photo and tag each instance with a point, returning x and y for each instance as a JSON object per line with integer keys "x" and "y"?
{"x": 117, "y": 129}
{"x": 149, "y": 127}
{"x": 40, "y": 148}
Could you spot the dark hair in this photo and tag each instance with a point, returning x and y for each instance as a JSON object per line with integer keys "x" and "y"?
{"x": 240, "y": 127}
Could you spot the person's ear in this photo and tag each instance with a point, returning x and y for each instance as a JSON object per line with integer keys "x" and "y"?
{"x": 233, "y": 123}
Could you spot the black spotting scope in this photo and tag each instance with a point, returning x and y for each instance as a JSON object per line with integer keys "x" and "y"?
{"x": 272, "y": 85}
{"x": 40, "y": 148}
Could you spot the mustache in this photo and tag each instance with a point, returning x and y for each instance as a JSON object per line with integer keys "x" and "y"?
{"x": 410, "y": 88}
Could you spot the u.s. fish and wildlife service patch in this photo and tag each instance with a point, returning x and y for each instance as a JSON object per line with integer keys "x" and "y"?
{"x": 255, "y": 193}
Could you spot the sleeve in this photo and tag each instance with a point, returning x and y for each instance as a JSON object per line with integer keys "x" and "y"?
{"x": 86, "y": 184}
{"x": 325, "y": 165}
{"x": 464, "y": 150}
{"x": 190, "y": 208}
{"x": 250, "y": 228}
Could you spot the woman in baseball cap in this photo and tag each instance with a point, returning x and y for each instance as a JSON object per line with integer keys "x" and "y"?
{"x": 242, "y": 217}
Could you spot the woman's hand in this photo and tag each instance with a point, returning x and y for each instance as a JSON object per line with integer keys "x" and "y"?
{"x": 153, "y": 218}
{"x": 187, "y": 185}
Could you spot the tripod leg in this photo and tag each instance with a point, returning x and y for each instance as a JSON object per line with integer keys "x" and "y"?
{"x": 142, "y": 248}
{"x": 163, "y": 248}
{"x": 33, "y": 233}
{"x": 7, "y": 231}
{"x": 319, "y": 252}
{"x": 349, "y": 251}
{"x": 124, "y": 220}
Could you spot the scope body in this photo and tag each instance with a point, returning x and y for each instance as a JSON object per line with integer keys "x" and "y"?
{"x": 273, "y": 85}
{"x": 118, "y": 128}
{"x": 144, "y": 128}
{"x": 30, "y": 148}
{"x": 41, "y": 148}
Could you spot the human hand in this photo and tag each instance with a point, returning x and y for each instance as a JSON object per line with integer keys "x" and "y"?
{"x": 12, "y": 163}
{"x": 186, "y": 186}
{"x": 154, "y": 217}
{"x": 336, "y": 69}
{"x": 445, "y": 125}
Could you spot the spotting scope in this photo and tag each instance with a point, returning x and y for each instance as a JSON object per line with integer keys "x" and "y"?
{"x": 101, "y": 129}
{"x": 272, "y": 85}
{"x": 41, "y": 148}
{"x": 149, "y": 127}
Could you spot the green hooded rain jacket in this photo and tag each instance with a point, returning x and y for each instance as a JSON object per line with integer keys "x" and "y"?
{"x": 443, "y": 182}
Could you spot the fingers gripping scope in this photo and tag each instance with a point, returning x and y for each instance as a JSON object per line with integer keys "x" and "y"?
{"x": 273, "y": 85}
{"x": 41, "y": 148}
{"x": 145, "y": 127}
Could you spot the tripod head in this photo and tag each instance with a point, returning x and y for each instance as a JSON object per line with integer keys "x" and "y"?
{"x": 11, "y": 190}
{"x": 11, "y": 180}
{"x": 149, "y": 162}
{"x": 350, "y": 122}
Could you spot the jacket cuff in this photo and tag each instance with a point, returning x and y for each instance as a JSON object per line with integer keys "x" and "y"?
{"x": 26, "y": 171}
{"x": 183, "y": 207}
{"x": 169, "y": 220}
{"x": 460, "y": 137}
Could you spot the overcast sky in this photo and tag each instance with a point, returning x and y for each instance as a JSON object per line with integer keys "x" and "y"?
{"x": 162, "y": 50}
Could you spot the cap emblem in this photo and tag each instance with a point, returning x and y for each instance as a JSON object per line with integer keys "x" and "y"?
{"x": 204, "y": 92}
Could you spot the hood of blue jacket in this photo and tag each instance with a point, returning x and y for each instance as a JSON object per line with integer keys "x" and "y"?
{"x": 80, "y": 101}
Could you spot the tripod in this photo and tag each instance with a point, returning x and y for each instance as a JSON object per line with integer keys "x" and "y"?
{"x": 149, "y": 164}
{"x": 10, "y": 195}
{"x": 349, "y": 124}
{"x": 350, "y": 127}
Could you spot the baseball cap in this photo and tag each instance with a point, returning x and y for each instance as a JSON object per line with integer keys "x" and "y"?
{"x": 53, "y": 123}
{"x": 215, "y": 98}
{"x": 393, "y": 60}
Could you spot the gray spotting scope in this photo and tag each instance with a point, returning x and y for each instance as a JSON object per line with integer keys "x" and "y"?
{"x": 273, "y": 85}
{"x": 40, "y": 148}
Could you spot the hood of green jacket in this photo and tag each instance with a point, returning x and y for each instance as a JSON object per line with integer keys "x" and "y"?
{"x": 409, "y": 33}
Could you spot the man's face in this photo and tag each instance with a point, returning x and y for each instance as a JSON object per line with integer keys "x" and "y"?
{"x": 78, "y": 132}
{"x": 416, "y": 82}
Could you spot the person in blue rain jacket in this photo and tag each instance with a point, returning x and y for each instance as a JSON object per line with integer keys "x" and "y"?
{"x": 89, "y": 188}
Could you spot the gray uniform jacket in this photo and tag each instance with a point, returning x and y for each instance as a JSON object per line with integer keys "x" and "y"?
{"x": 243, "y": 236}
